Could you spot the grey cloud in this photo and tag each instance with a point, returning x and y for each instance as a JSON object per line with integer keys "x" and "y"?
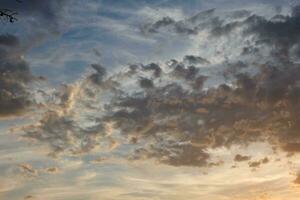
{"x": 182, "y": 71}
{"x": 198, "y": 83}
{"x": 166, "y": 21}
{"x": 281, "y": 32}
{"x": 27, "y": 170}
{"x": 46, "y": 14}
{"x": 239, "y": 14}
{"x": 223, "y": 29}
{"x": 189, "y": 26}
{"x": 221, "y": 116}
{"x": 98, "y": 77}
{"x": 241, "y": 158}
{"x": 256, "y": 164}
{"x": 9, "y": 40}
{"x": 28, "y": 197}
{"x": 146, "y": 83}
{"x": 202, "y": 16}
{"x": 297, "y": 180}
{"x": 52, "y": 170}
{"x": 153, "y": 67}
{"x": 176, "y": 121}
{"x": 53, "y": 129}
{"x": 175, "y": 154}
{"x": 192, "y": 60}
{"x": 175, "y": 124}
{"x": 15, "y": 75}
{"x": 40, "y": 18}
{"x": 63, "y": 134}
{"x": 59, "y": 126}
{"x": 292, "y": 147}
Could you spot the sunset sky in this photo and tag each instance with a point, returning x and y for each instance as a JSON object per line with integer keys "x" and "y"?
{"x": 150, "y": 100}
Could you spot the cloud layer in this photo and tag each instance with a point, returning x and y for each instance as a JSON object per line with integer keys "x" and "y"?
{"x": 15, "y": 75}
{"x": 174, "y": 112}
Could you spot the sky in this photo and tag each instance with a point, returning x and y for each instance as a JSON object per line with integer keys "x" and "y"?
{"x": 150, "y": 100}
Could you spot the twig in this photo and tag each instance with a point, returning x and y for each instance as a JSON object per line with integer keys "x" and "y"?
{"x": 9, "y": 15}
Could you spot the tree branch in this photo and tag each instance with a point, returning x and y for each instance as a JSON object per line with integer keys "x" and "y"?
{"x": 8, "y": 15}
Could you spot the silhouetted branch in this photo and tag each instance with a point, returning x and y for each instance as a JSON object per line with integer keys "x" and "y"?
{"x": 9, "y": 15}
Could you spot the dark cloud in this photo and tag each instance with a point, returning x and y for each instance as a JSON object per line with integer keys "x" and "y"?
{"x": 225, "y": 29}
{"x": 175, "y": 154}
{"x": 38, "y": 20}
{"x": 166, "y": 21}
{"x": 180, "y": 120}
{"x": 292, "y": 147}
{"x": 241, "y": 158}
{"x": 192, "y": 60}
{"x": 52, "y": 170}
{"x": 189, "y": 26}
{"x": 153, "y": 67}
{"x": 28, "y": 197}
{"x": 185, "y": 72}
{"x": 146, "y": 83}
{"x": 177, "y": 120}
{"x": 202, "y": 16}
{"x": 59, "y": 126}
{"x": 239, "y": 14}
{"x": 64, "y": 135}
{"x": 257, "y": 108}
{"x": 256, "y": 164}
{"x": 281, "y": 33}
{"x": 27, "y": 170}
{"x": 297, "y": 180}
{"x": 15, "y": 75}
{"x": 198, "y": 83}
{"x": 9, "y": 40}
{"x": 216, "y": 164}
{"x": 98, "y": 77}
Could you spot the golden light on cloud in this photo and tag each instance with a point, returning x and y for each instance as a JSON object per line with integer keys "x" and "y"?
{"x": 150, "y": 100}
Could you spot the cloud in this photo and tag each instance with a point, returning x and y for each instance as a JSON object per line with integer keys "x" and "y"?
{"x": 146, "y": 83}
{"x": 52, "y": 170}
{"x": 28, "y": 197}
{"x": 9, "y": 40}
{"x": 28, "y": 170}
{"x": 15, "y": 75}
{"x": 63, "y": 134}
{"x": 165, "y": 21}
{"x": 65, "y": 127}
{"x": 240, "y": 158}
{"x": 256, "y": 164}
{"x": 292, "y": 147}
{"x": 190, "y": 26}
{"x": 174, "y": 112}
{"x": 38, "y": 20}
{"x": 195, "y": 60}
{"x": 297, "y": 180}
{"x": 97, "y": 77}
{"x": 155, "y": 68}
{"x": 175, "y": 154}
{"x": 279, "y": 32}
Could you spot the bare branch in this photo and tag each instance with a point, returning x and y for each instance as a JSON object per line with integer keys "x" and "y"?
{"x": 8, "y": 15}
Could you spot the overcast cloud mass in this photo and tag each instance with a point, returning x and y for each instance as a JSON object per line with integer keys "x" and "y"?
{"x": 154, "y": 99}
